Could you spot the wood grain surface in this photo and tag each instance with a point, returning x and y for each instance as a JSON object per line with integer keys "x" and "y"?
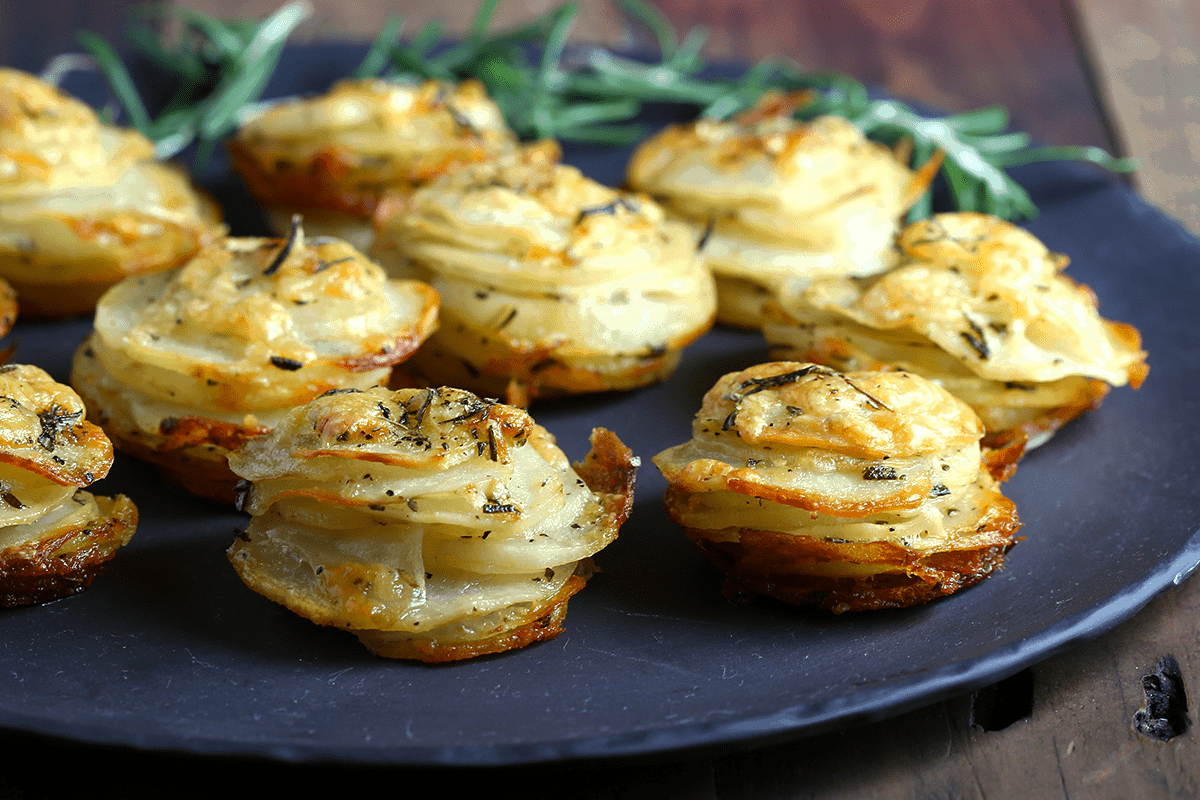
{"x": 1146, "y": 56}
{"x": 1122, "y": 74}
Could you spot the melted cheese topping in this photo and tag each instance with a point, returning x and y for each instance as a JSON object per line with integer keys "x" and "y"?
{"x": 365, "y": 136}
{"x": 47, "y": 448}
{"x": 49, "y": 140}
{"x": 977, "y": 305}
{"x": 845, "y": 446}
{"x": 412, "y": 510}
{"x": 85, "y": 198}
{"x": 47, "y": 451}
{"x": 533, "y": 258}
{"x": 258, "y": 325}
{"x": 788, "y": 200}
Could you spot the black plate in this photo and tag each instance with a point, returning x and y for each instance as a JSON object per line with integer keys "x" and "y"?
{"x": 169, "y": 650}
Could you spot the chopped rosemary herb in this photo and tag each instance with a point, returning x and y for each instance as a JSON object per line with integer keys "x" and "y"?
{"x": 284, "y": 363}
{"x": 877, "y": 472}
{"x": 286, "y": 249}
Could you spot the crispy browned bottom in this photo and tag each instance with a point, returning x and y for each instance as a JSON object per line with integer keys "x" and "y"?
{"x": 190, "y": 452}
{"x": 317, "y": 183}
{"x": 913, "y": 579}
{"x": 540, "y": 624}
{"x": 796, "y": 569}
{"x": 66, "y": 562}
{"x": 200, "y": 465}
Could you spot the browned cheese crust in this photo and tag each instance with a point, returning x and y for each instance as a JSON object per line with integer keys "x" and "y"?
{"x": 551, "y": 284}
{"x": 847, "y": 492}
{"x": 184, "y": 366}
{"x": 54, "y": 537}
{"x": 84, "y": 204}
{"x": 431, "y": 523}
{"x": 981, "y": 307}
{"x": 781, "y": 201}
{"x": 334, "y": 156}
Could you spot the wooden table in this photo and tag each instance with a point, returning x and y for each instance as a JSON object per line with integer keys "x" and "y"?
{"x": 1113, "y": 73}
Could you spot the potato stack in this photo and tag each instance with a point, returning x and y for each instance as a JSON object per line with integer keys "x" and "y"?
{"x": 333, "y": 156}
{"x": 185, "y": 365}
{"x": 54, "y": 536}
{"x": 431, "y": 523}
{"x": 550, "y": 282}
{"x": 783, "y": 201}
{"x": 84, "y": 204}
{"x": 848, "y": 492}
{"x": 981, "y": 307}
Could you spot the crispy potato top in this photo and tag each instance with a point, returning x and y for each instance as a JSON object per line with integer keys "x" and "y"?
{"x": 766, "y": 160}
{"x": 417, "y": 428}
{"x": 866, "y": 415}
{"x": 83, "y": 204}
{"x": 42, "y": 430}
{"x": 375, "y": 133}
{"x": 536, "y": 253}
{"x": 49, "y": 140}
{"x": 845, "y": 445}
{"x": 991, "y": 295}
{"x": 260, "y": 323}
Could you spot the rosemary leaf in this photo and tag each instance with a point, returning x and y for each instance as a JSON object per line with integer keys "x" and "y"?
{"x": 118, "y": 78}
{"x": 150, "y": 45}
{"x": 556, "y": 40}
{"x": 424, "y": 41}
{"x": 408, "y": 62}
{"x": 1092, "y": 155}
{"x": 376, "y": 59}
{"x": 220, "y": 36}
{"x": 605, "y": 134}
{"x": 687, "y": 59}
{"x": 587, "y": 114}
{"x": 997, "y": 144}
{"x": 654, "y": 21}
{"x": 257, "y": 62}
{"x": 993, "y": 119}
{"x": 483, "y": 19}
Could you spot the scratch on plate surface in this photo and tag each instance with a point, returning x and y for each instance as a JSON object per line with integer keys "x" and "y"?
{"x": 333, "y": 678}
{"x": 662, "y": 664}
{"x": 196, "y": 660}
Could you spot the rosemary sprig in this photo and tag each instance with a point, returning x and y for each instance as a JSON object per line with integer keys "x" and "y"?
{"x": 590, "y": 95}
{"x": 596, "y": 101}
{"x": 219, "y": 67}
